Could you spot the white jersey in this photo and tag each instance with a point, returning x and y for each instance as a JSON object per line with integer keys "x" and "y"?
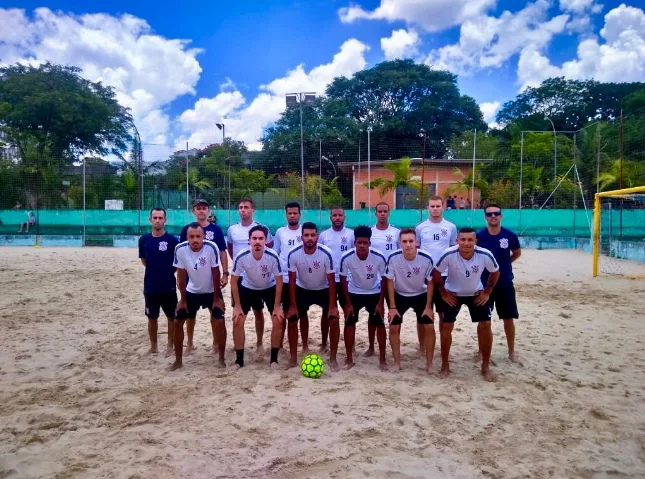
{"x": 198, "y": 265}
{"x": 257, "y": 274}
{"x": 238, "y": 236}
{"x": 364, "y": 275}
{"x": 410, "y": 277}
{"x": 285, "y": 240}
{"x": 386, "y": 241}
{"x": 435, "y": 238}
{"x": 464, "y": 276}
{"x": 339, "y": 242}
{"x": 311, "y": 269}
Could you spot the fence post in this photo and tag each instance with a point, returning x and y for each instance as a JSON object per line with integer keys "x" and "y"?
{"x": 472, "y": 188}
{"x": 187, "y": 186}
{"x": 521, "y": 172}
{"x": 84, "y": 204}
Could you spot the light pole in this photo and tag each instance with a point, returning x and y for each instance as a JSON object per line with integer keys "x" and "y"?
{"x": 555, "y": 149}
{"x": 297, "y": 100}
{"x": 139, "y": 160}
{"x": 222, "y": 127}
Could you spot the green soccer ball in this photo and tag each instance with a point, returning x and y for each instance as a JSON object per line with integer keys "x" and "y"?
{"x": 312, "y": 366}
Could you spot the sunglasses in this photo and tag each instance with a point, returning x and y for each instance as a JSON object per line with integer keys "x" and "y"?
{"x": 494, "y": 213}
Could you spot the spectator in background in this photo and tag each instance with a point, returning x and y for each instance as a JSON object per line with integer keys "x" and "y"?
{"x": 450, "y": 203}
{"x": 18, "y": 206}
{"x": 31, "y": 220}
{"x": 212, "y": 218}
{"x": 468, "y": 203}
{"x": 462, "y": 203}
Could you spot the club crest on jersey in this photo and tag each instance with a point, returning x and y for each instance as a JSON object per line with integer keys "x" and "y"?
{"x": 298, "y": 239}
{"x": 388, "y": 238}
{"x": 370, "y": 268}
{"x": 503, "y": 243}
{"x": 265, "y": 268}
{"x": 316, "y": 264}
{"x": 475, "y": 268}
{"x": 343, "y": 240}
{"x": 163, "y": 246}
{"x": 416, "y": 270}
{"x": 444, "y": 232}
{"x": 210, "y": 235}
{"x": 202, "y": 261}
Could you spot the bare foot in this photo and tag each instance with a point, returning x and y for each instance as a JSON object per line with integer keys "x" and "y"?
{"x": 396, "y": 368}
{"x": 515, "y": 358}
{"x": 174, "y": 366}
{"x": 169, "y": 351}
{"x": 305, "y": 349}
{"x": 333, "y": 365}
{"x": 383, "y": 367}
{"x": 292, "y": 363}
{"x": 369, "y": 352}
{"x": 348, "y": 365}
{"x": 153, "y": 350}
{"x": 421, "y": 353}
{"x": 189, "y": 349}
{"x": 274, "y": 366}
{"x": 260, "y": 350}
{"x": 445, "y": 372}
{"x": 235, "y": 367}
{"x": 488, "y": 375}
{"x": 430, "y": 369}
{"x": 221, "y": 363}
{"x": 322, "y": 349}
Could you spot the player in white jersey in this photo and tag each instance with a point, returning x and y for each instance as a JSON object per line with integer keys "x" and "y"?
{"x": 435, "y": 235}
{"x": 464, "y": 265}
{"x": 237, "y": 239}
{"x": 361, "y": 270}
{"x": 261, "y": 273}
{"x": 339, "y": 240}
{"x": 385, "y": 238}
{"x": 409, "y": 274}
{"x": 198, "y": 260}
{"x": 287, "y": 238}
{"x": 311, "y": 281}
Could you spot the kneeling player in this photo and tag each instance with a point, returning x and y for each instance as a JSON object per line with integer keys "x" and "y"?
{"x": 409, "y": 274}
{"x": 363, "y": 289}
{"x": 465, "y": 264}
{"x": 261, "y": 284}
{"x": 199, "y": 260}
{"x": 311, "y": 281}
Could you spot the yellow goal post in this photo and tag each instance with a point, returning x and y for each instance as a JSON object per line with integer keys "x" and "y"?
{"x": 625, "y": 193}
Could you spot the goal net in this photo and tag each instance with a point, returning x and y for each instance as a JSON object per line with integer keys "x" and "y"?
{"x": 619, "y": 233}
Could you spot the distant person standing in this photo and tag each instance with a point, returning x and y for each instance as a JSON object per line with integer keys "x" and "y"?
{"x": 156, "y": 251}
{"x": 462, "y": 203}
{"x": 505, "y": 246}
{"x": 18, "y": 206}
{"x": 31, "y": 221}
{"x": 450, "y": 203}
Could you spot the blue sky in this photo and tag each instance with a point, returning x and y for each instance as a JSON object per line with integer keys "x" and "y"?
{"x": 242, "y": 56}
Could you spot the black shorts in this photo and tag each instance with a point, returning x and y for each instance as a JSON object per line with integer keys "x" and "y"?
{"x": 286, "y": 298}
{"x": 477, "y": 313}
{"x": 367, "y": 301}
{"x": 418, "y": 305}
{"x": 256, "y": 298}
{"x": 255, "y": 307}
{"x": 437, "y": 300}
{"x": 161, "y": 301}
{"x": 195, "y": 301}
{"x": 340, "y": 297}
{"x": 305, "y": 298}
{"x": 503, "y": 300}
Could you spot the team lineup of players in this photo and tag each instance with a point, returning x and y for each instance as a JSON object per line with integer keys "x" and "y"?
{"x": 432, "y": 267}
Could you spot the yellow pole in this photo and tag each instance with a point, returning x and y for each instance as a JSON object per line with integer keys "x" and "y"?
{"x": 596, "y": 233}
{"x": 625, "y": 191}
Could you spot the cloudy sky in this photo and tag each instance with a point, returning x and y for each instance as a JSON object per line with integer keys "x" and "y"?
{"x": 181, "y": 69}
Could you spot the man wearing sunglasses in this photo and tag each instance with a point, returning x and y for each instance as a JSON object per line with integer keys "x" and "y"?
{"x": 505, "y": 246}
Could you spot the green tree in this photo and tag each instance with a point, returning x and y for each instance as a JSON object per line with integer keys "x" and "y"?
{"x": 402, "y": 177}
{"x": 195, "y": 183}
{"x": 466, "y": 183}
{"x": 317, "y": 189}
{"x": 633, "y": 175}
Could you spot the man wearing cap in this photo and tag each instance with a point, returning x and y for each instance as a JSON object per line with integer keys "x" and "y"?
{"x": 212, "y": 232}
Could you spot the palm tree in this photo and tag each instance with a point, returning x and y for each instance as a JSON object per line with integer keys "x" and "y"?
{"x": 466, "y": 183}
{"x": 633, "y": 175}
{"x": 129, "y": 188}
{"x": 195, "y": 183}
{"x": 401, "y": 178}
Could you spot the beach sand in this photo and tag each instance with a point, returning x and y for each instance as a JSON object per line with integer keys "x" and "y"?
{"x": 79, "y": 397}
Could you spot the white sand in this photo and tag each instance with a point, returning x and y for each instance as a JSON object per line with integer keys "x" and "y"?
{"x": 78, "y": 397}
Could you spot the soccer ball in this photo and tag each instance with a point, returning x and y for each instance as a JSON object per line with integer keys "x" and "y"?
{"x": 312, "y": 366}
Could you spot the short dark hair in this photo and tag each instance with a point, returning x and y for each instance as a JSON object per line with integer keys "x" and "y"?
{"x": 492, "y": 205}
{"x": 381, "y": 203}
{"x": 309, "y": 226}
{"x": 246, "y": 200}
{"x": 262, "y": 228}
{"x": 467, "y": 229}
{"x": 436, "y": 198}
{"x": 363, "y": 231}
{"x": 157, "y": 208}
{"x": 195, "y": 225}
{"x": 336, "y": 207}
{"x": 292, "y": 204}
{"x": 408, "y": 231}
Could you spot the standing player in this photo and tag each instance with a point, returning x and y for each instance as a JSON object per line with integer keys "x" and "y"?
{"x": 212, "y": 232}
{"x": 287, "y": 238}
{"x": 464, "y": 265}
{"x": 237, "y": 238}
{"x": 339, "y": 240}
{"x": 385, "y": 239}
{"x": 364, "y": 289}
{"x": 198, "y": 278}
{"x": 435, "y": 235}
{"x": 409, "y": 285}
{"x": 311, "y": 281}
{"x": 261, "y": 282}
{"x": 505, "y": 246}
{"x": 156, "y": 251}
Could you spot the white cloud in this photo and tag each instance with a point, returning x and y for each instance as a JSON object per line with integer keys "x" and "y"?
{"x": 147, "y": 71}
{"x": 620, "y": 59}
{"x": 247, "y": 121}
{"x": 580, "y": 6}
{"x": 488, "y": 42}
{"x": 430, "y": 15}
{"x": 227, "y": 85}
{"x": 489, "y": 110}
{"x": 402, "y": 44}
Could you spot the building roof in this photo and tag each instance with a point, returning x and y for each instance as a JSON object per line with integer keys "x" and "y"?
{"x": 416, "y": 162}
